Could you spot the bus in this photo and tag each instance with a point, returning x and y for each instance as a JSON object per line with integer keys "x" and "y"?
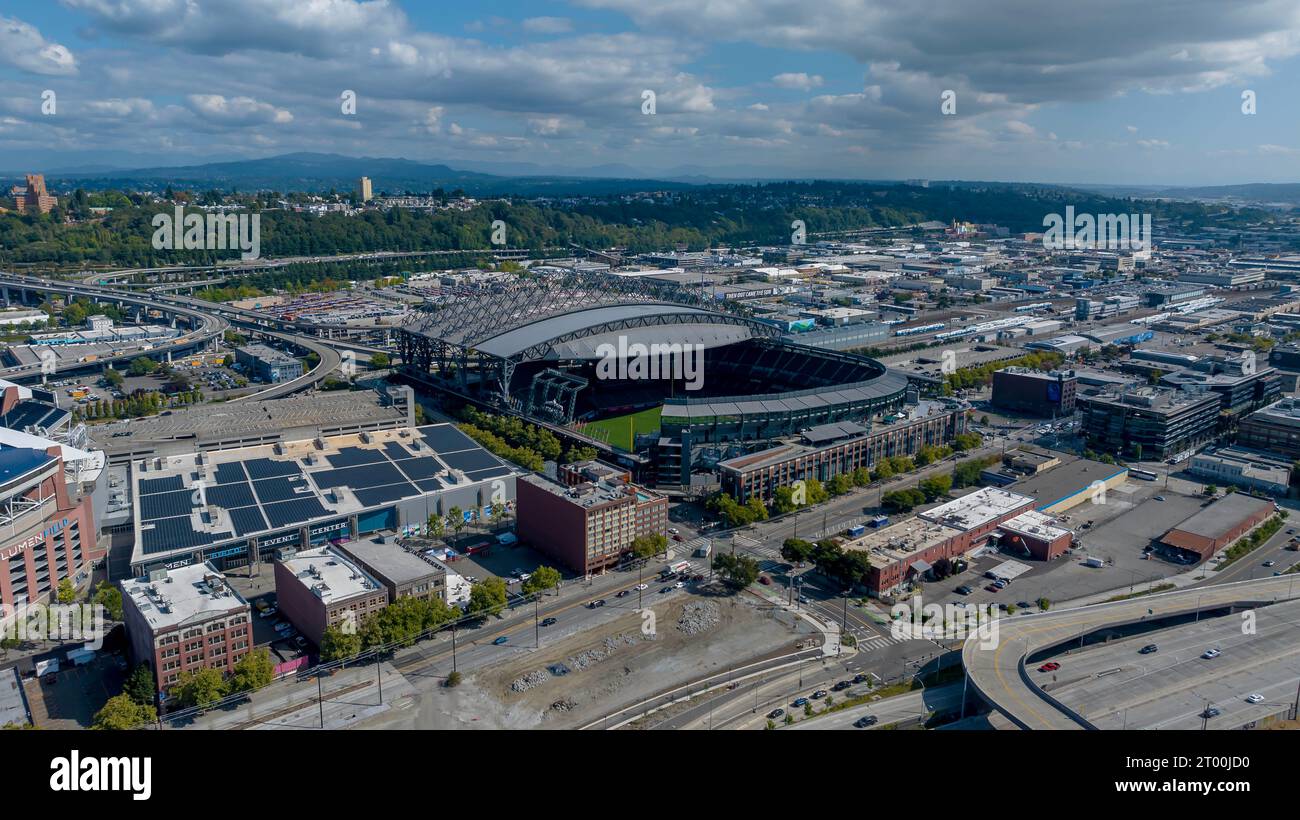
{"x": 1145, "y": 475}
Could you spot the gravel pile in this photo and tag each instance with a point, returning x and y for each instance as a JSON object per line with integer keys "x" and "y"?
{"x": 699, "y": 616}
{"x": 590, "y": 657}
{"x": 535, "y": 678}
{"x": 565, "y": 705}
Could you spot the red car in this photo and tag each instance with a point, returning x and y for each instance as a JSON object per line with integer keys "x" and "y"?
{"x": 992, "y": 588}
{"x": 677, "y": 538}
{"x": 1052, "y": 666}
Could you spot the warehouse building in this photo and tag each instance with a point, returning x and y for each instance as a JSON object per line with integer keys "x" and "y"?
{"x": 1215, "y": 527}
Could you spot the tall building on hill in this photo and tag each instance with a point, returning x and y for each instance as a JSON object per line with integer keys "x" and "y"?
{"x": 32, "y": 198}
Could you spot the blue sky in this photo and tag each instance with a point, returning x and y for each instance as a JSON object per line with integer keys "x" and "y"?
{"x": 1104, "y": 92}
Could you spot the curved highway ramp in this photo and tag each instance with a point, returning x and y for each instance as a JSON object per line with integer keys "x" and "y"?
{"x": 996, "y": 668}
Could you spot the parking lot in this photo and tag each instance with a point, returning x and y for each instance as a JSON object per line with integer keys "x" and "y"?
{"x": 76, "y": 693}
{"x": 259, "y": 589}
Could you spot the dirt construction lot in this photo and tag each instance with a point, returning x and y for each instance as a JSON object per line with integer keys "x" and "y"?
{"x": 584, "y": 676}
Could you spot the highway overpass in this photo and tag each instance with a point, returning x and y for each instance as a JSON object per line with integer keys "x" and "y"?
{"x": 998, "y": 674}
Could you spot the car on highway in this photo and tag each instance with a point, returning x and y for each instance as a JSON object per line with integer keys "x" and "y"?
{"x": 865, "y": 721}
{"x": 819, "y": 694}
{"x": 1160, "y": 498}
{"x": 622, "y": 593}
{"x": 1270, "y": 563}
{"x": 963, "y": 590}
{"x": 679, "y": 585}
{"x": 1050, "y": 666}
{"x": 673, "y": 531}
{"x": 775, "y": 713}
{"x": 797, "y": 702}
{"x": 549, "y": 621}
{"x": 666, "y": 589}
{"x": 641, "y": 587}
{"x": 1211, "y": 711}
{"x": 500, "y": 640}
{"x": 1210, "y": 654}
{"x": 1148, "y": 649}
{"x": 1254, "y": 698}
{"x": 678, "y": 538}
{"x": 599, "y": 602}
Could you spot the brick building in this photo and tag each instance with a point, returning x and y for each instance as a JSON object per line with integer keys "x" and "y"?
{"x": 32, "y": 198}
{"x": 587, "y": 527}
{"x": 321, "y": 587}
{"x": 185, "y": 619}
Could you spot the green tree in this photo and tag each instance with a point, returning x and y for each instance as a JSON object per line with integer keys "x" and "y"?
{"x": 457, "y": 516}
{"x": 739, "y": 571}
{"x": 542, "y": 579}
{"x": 797, "y": 551}
{"x": 379, "y": 361}
{"x": 67, "y": 592}
{"x": 110, "y": 597}
{"x": 487, "y": 597}
{"x": 201, "y": 687}
{"x": 113, "y": 378}
{"x": 434, "y": 526}
{"x": 121, "y": 713}
{"x": 649, "y": 545}
{"x": 253, "y": 671}
{"x": 139, "y": 685}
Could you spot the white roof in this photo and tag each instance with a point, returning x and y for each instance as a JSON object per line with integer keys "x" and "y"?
{"x": 329, "y": 574}
{"x": 973, "y": 511}
{"x": 194, "y": 593}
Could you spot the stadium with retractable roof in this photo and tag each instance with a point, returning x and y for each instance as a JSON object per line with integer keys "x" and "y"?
{"x": 535, "y": 348}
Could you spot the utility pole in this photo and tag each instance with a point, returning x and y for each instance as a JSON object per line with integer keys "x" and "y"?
{"x": 537, "y": 629}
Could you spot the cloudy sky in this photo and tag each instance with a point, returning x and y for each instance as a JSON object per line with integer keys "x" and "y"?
{"x": 1108, "y": 92}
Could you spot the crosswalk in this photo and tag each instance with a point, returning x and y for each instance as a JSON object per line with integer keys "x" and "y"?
{"x": 878, "y": 642}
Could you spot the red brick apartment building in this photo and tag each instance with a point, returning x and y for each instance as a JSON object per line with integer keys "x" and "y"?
{"x": 587, "y": 527}
{"x": 182, "y": 620}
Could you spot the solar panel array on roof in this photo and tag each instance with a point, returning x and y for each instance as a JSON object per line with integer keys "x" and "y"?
{"x": 266, "y": 468}
{"x": 396, "y": 451}
{"x": 354, "y": 457}
{"x": 447, "y": 439}
{"x": 230, "y": 495}
{"x": 470, "y": 460}
{"x": 492, "y": 472}
{"x": 230, "y": 472}
{"x": 419, "y": 467}
{"x": 277, "y": 489}
{"x": 166, "y": 505}
{"x": 284, "y": 513}
{"x": 373, "y": 496}
{"x": 368, "y": 475}
{"x": 430, "y": 485}
{"x": 167, "y": 534}
{"x": 247, "y": 520}
{"x": 161, "y": 485}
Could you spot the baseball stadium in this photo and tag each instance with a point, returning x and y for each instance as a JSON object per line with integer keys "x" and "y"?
{"x": 662, "y": 373}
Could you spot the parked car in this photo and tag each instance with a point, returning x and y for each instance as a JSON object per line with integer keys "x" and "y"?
{"x": 799, "y": 702}
{"x": 775, "y": 713}
{"x": 819, "y": 694}
{"x": 283, "y": 626}
{"x": 841, "y": 686}
{"x": 865, "y": 721}
{"x": 300, "y": 642}
{"x": 861, "y": 677}
{"x": 1148, "y": 649}
{"x": 963, "y": 590}
{"x": 992, "y": 588}
{"x": 803, "y": 599}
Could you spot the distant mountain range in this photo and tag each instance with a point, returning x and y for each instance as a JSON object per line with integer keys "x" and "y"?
{"x": 323, "y": 172}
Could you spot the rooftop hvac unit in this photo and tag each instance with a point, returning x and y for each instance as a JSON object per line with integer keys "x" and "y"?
{"x": 319, "y": 442}
{"x": 200, "y": 457}
{"x": 155, "y": 576}
{"x": 278, "y": 449}
{"x": 366, "y": 436}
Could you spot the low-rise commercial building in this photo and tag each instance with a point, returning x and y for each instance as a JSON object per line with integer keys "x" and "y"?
{"x": 321, "y": 588}
{"x": 1040, "y": 393}
{"x": 183, "y": 620}
{"x": 1237, "y": 467}
{"x": 268, "y": 364}
{"x": 587, "y": 527}
{"x": 1273, "y": 429}
{"x": 1215, "y": 527}
{"x": 401, "y": 572}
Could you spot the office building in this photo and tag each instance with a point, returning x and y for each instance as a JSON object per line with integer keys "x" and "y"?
{"x": 183, "y": 620}
{"x": 587, "y": 527}
{"x": 321, "y": 587}
{"x": 402, "y": 573}
{"x": 1150, "y": 422}
{"x": 268, "y": 364}
{"x": 31, "y": 197}
{"x": 1048, "y": 394}
{"x": 1273, "y": 429}
{"x": 364, "y": 191}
